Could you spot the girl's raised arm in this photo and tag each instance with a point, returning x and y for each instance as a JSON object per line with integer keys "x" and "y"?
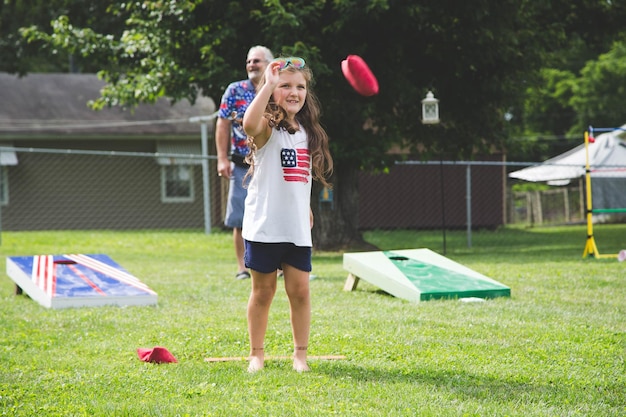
{"x": 254, "y": 123}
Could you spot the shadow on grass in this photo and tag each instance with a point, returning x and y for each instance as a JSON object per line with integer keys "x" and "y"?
{"x": 472, "y": 386}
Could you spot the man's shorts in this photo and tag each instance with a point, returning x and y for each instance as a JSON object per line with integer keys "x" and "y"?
{"x": 268, "y": 257}
{"x": 236, "y": 198}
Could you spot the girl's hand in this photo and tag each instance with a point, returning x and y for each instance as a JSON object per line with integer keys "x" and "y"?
{"x": 254, "y": 124}
{"x": 272, "y": 74}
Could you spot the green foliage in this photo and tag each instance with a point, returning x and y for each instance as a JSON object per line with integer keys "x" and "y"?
{"x": 548, "y": 106}
{"x": 547, "y": 118}
{"x": 598, "y": 96}
{"x": 20, "y": 56}
{"x": 565, "y": 104}
{"x": 529, "y": 186}
{"x": 555, "y": 348}
{"x": 581, "y": 83}
{"x": 481, "y": 59}
{"x": 470, "y": 55}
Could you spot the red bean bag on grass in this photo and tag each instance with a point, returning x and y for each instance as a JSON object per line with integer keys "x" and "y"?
{"x": 158, "y": 354}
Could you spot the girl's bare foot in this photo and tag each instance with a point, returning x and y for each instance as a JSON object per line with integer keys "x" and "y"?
{"x": 257, "y": 359}
{"x": 300, "y": 365}
{"x": 255, "y": 365}
{"x": 299, "y": 359}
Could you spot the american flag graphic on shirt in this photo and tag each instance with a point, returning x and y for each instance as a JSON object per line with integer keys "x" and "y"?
{"x": 296, "y": 164}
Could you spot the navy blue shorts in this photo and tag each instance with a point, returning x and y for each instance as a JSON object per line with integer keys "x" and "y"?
{"x": 268, "y": 257}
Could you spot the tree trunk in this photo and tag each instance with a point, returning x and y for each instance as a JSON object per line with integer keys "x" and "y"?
{"x": 336, "y": 224}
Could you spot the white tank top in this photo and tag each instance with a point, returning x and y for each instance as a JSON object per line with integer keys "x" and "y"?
{"x": 279, "y": 192}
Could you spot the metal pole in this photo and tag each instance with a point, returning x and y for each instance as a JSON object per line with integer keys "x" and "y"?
{"x": 468, "y": 202}
{"x": 2, "y": 185}
{"x": 443, "y": 207}
{"x": 206, "y": 186}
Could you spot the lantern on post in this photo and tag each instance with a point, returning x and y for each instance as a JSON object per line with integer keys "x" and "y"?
{"x": 430, "y": 109}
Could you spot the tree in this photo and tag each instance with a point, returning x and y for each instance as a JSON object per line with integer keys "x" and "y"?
{"x": 579, "y": 84}
{"x": 17, "y": 56}
{"x": 566, "y": 103}
{"x": 478, "y": 57}
{"x": 547, "y": 117}
{"x": 598, "y": 96}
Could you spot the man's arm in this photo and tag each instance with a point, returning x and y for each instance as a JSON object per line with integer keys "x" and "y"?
{"x": 222, "y": 145}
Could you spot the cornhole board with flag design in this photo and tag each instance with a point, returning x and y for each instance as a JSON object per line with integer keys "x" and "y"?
{"x": 60, "y": 281}
{"x": 418, "y": 275}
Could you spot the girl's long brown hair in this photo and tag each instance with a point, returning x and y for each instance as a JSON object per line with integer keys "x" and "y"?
{"x": 309, "y": 118}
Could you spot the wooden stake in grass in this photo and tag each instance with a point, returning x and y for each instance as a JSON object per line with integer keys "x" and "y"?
{"x": 245, "y": 358}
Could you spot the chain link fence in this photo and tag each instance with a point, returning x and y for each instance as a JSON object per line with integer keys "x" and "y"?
{"x": 70, "y": 189}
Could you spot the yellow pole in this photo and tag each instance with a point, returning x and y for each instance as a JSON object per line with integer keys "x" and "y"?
{"x": 590, "y": 247}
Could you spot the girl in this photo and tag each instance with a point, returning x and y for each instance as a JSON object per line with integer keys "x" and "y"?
{"x": 289, "y": 149}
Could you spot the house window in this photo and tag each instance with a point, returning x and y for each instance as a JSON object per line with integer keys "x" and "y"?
{"x": 4, "y": 186}
{"x": 178, "y": 159}
{"x": 177, "y": 184}
{"x": 8, "y": 157}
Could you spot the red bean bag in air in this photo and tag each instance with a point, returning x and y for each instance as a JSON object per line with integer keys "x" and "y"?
{"x": 359, "y": 75}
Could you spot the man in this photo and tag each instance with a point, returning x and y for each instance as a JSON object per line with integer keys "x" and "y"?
{"x": 229, "y": 135}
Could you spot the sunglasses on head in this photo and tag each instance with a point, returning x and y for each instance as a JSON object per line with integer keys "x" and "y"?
{"x": 294, "y": 61}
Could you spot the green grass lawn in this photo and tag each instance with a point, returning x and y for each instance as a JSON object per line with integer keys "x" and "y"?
{"x": 556, "y": 347}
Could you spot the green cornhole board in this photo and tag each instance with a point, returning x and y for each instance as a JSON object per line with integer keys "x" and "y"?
{"x": 419, "y": 275}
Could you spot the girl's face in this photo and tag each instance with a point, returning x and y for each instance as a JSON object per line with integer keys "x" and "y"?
{"x": 290, "y": 93}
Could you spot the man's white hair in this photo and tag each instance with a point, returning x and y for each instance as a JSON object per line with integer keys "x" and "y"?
{"x": 266, "y": 52}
